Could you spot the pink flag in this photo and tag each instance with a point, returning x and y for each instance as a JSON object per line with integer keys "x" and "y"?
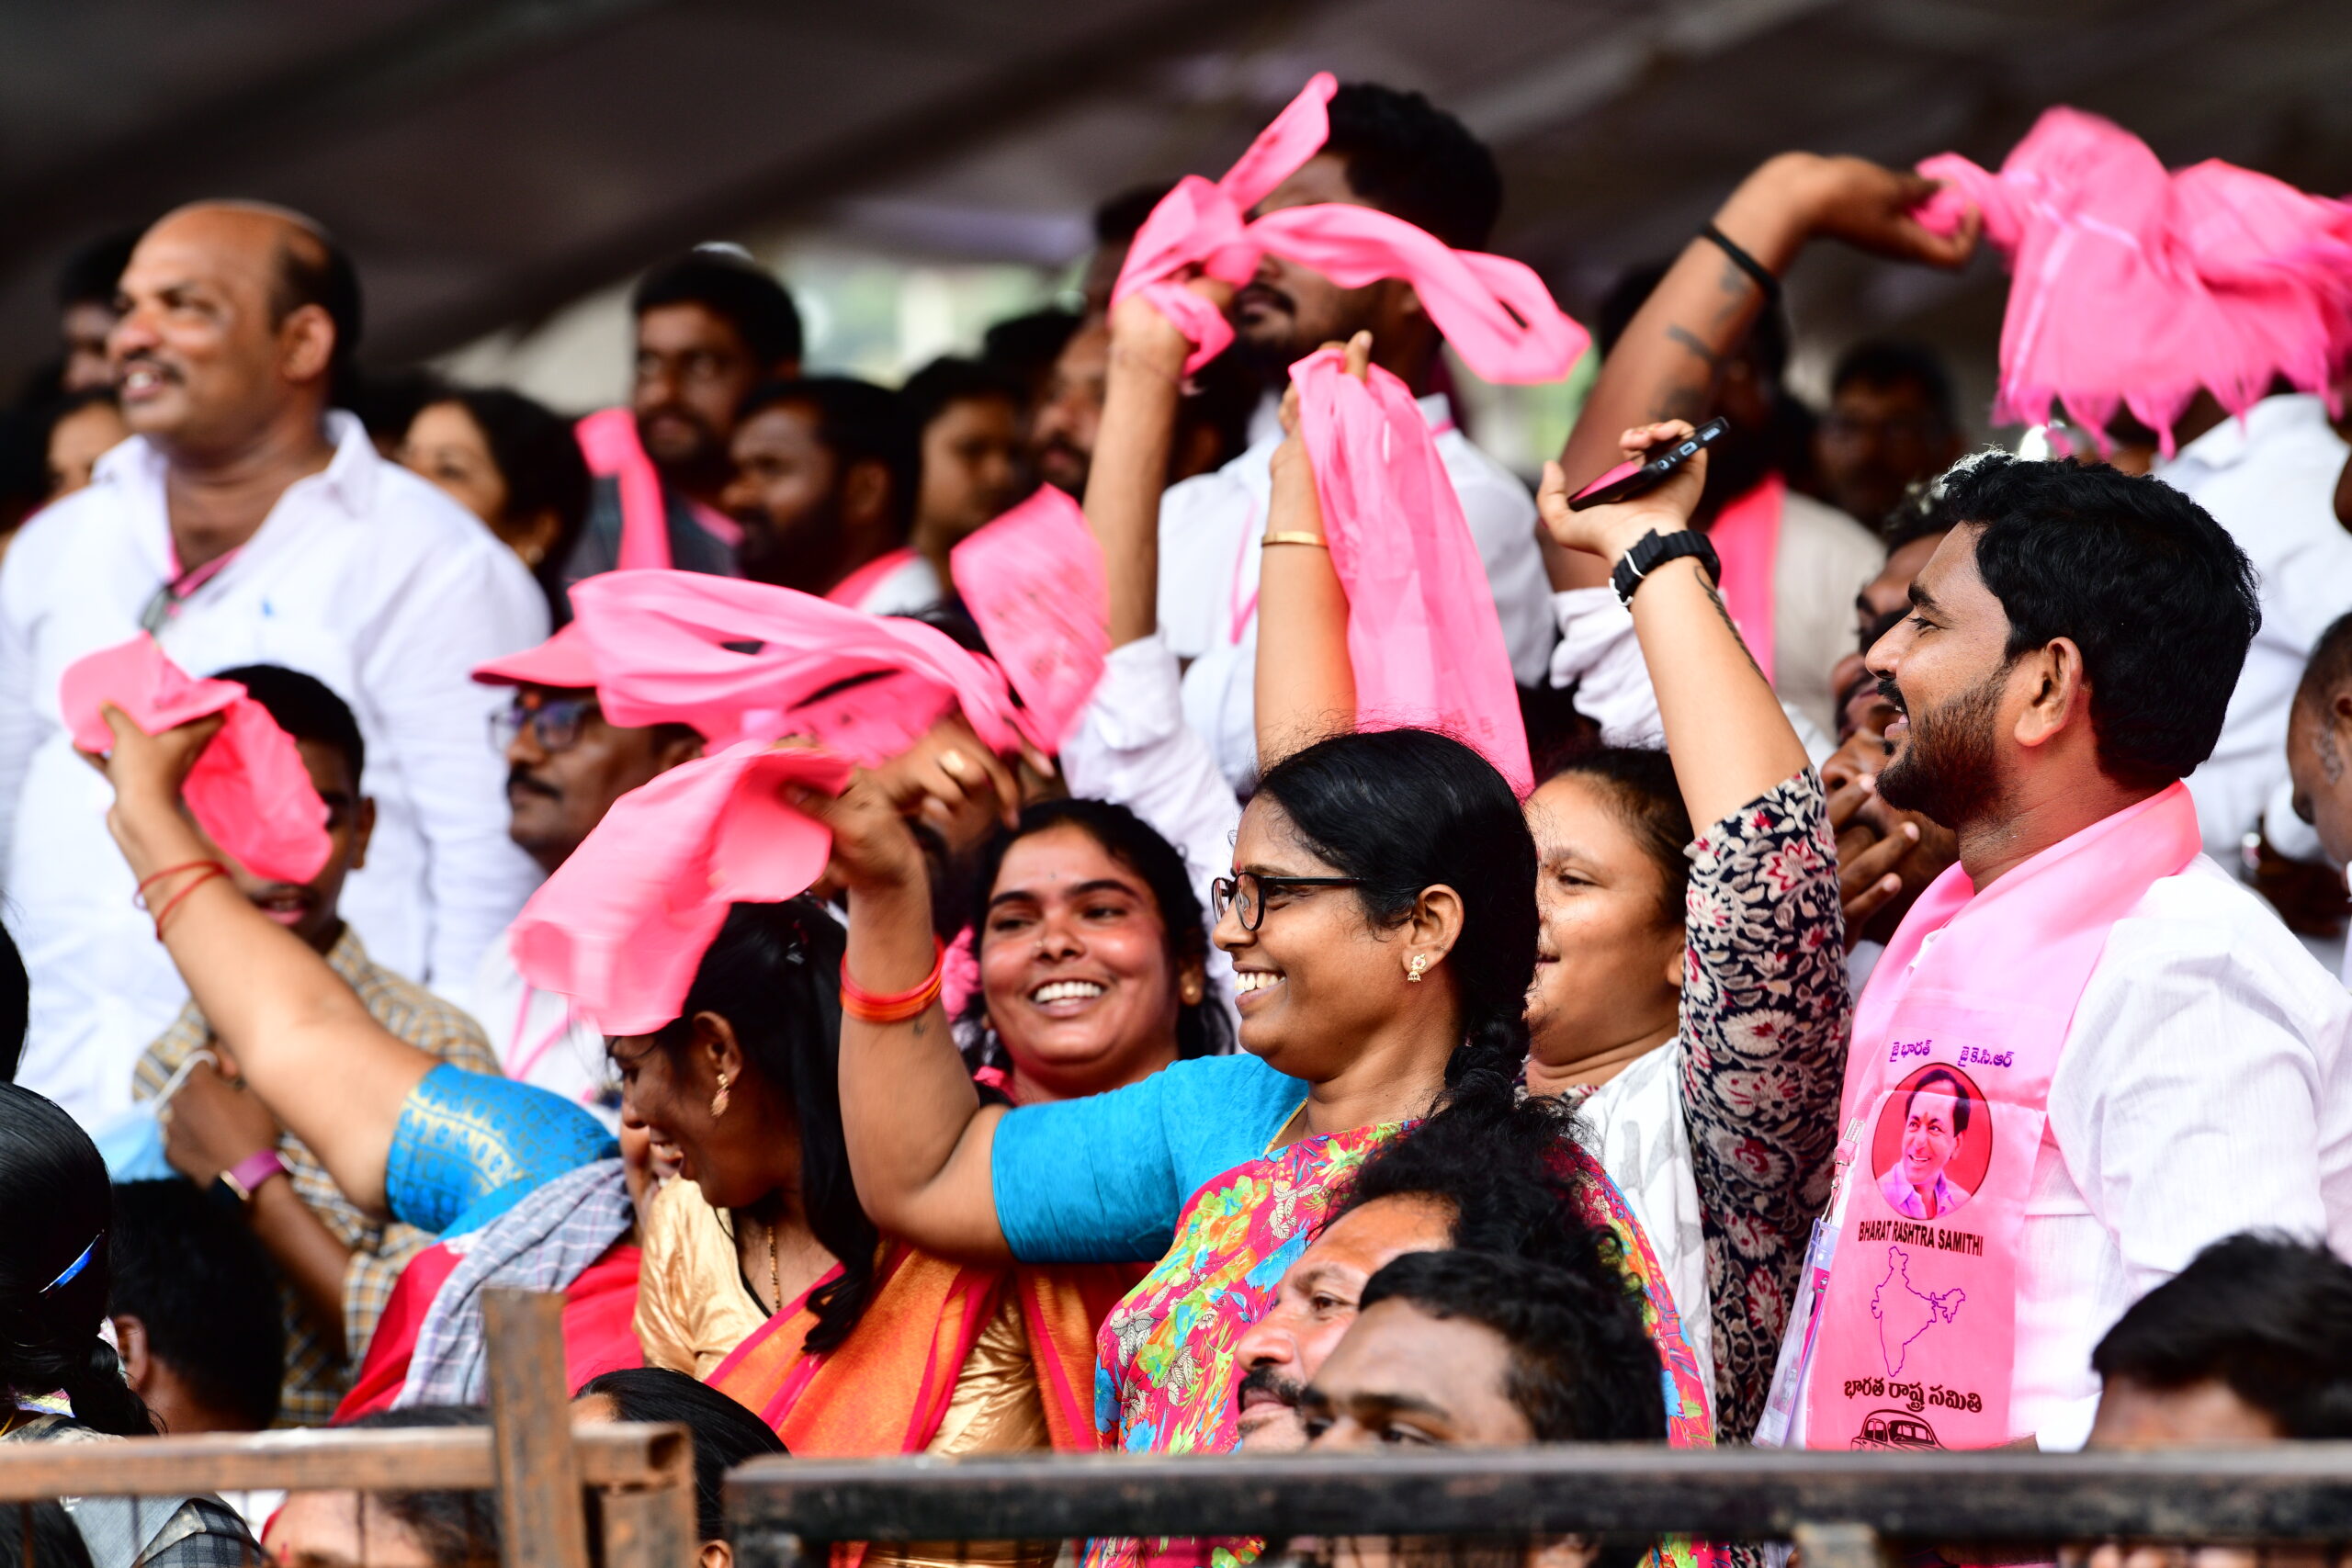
{"x": 749, "y": 660}
{"x": 1424, "y": 637}
{"x": 1033, "y": 580}
{"x": 1496, "y": 312}
{"x": 249, "y": 791}
{"x": 621, "y": 925}
{"x": 2134, "y": 287}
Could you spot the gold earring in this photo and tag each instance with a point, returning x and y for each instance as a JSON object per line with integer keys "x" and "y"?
{"x": 1191, "y": 993}
{"x": 719, "y": 1102}
{"x": 1414, "y": 970}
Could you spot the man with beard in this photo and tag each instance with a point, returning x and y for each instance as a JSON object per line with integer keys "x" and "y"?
{"x": 249, "y": 522}
{"x": 2159, "y": 1061}
{"x": 710, "y": 326}
{"x": 1400, "y": 155}
{"x": 827, "y": 470}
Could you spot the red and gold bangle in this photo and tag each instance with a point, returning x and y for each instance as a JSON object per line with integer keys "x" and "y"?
{"x": 212, "y": 870}
{"x": 138, "y": 896}
{"x": 896, "y": 1007}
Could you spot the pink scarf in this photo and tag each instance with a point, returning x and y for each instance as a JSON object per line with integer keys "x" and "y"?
{"x": 1424, "y": 637}
{"x": 250, "y": 791}
{"x": 1496, "y": 312}
{"x": 1033, "y": 580}
{"x": 1747, "y": 536}
{"x": 621, "y": 925}
{"x": 608, "y": 441}
{"x": 2136, "y": 287}
{"x": 1946, "y": 1094}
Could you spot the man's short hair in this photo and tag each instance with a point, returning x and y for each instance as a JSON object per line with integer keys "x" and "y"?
{"x": 2329, "y": 669}
{"x": 1413, "y": 161}
{"x": 93, "y": 273}
{"x": 857, "y": 422}
{"x": 1121, "y": 217}
{"x": 199, "y": 1280}
{"x": 1899, "y": 362}
{"x": 1960, "y": 1098}
{"x": 312, "y": 269}
{"x": 1582, "y": 1367}
{"x": 305, "y": 708}
{"x": 949, "y": 379}
{"x": 2155, "y": 594}
{"x": 735, "y": 290}
{"x": 1025, "y": 346}
{"x": 2268, "y": 1315}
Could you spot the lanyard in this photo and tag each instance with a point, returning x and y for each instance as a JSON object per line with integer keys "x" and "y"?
{"x": 176, "y": 591}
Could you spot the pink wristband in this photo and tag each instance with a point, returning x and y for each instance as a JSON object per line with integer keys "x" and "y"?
{"x": 244, "y": 1177}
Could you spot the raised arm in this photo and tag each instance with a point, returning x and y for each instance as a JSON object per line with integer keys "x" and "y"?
{"x": 1666, "y": 363}
{"x": 300, "y": 1037}
{"x": 1307, "y": 687}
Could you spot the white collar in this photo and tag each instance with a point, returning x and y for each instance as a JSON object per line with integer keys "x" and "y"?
{"x": 2229, "y": 443}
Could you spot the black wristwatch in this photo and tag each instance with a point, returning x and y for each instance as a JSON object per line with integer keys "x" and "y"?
{"x": 1651, "y": 552}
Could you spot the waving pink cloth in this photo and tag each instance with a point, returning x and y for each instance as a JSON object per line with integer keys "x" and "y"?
{"x": 1495, "y": 311}
{"x": 621, "y": 925}
{"x": 1423, "y": 637}
{"x": 2136, "y": 287}
{"x": 249, "y": 791}
{"x": 1035, "y": 582}
{"x": 662, "y": 644}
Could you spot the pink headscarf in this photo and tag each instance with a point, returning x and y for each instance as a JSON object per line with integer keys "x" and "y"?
{"x": 1496, "y": 312}
{"x": 249, "y": 791}
{"x": 2135, "y": 288}
{"x": 1423, "y": 637}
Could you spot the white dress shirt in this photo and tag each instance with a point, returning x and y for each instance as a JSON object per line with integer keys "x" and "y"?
{"x": 1209, "y": 529}
{"x": 2270, "y": 481}
{"x": 363, "y": 576}
{"x": 2202, "y": 1091}
{"x": 539, "y": 1038}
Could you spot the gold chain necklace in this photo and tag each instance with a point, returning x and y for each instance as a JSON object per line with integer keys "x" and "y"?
{"x": 776, "y": 1279}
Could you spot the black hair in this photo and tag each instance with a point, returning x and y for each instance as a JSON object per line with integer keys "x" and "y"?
{"x": 857, "y": 422}
{"x": 1639, "y": 784}
{"x": 56, "y": 1269}
{"x": 56, "y": 1540}
{"x": 735, "y": 289}
{"x": 313, "y": 269}
{"x": 454, "y": 1529}
{"x": 1026, "y": 346}
{"x": 1922, "y": 513}
{"x": 1119, "y": 219}
{"x": 199, "y": 1280}
{"x": 1583, "y": 1368}
{"x": 16, "y": 1005}
{"x": 1413, "y": 161}
{"x": 1404, "y": 809}
{"x": 774, "y": 973}
{"x": 305, "y": 708}
{"x": 1962, "y": 1099}
{"x": 2155, "y": 594}
{"x": 1897, "y": 362}
{"x": 388, "y": 402}
{"x": 93, "y": 273}
{"x": 1767, "y": 341}
{"x": 2270, "y": 1315}
{"x": 1202, "y": 1027}
{"x": 930, "y": 391}
{"x": 538, "y": 457}
{"x": 1501, "y": 1165}
{"x": 2329, "y": 669}
{"x": 724, "y": 1434}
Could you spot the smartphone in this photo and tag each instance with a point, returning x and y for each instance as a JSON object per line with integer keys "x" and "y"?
{"x": 1637, "y": 476}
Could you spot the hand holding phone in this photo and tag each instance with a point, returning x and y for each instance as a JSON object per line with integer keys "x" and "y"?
{"x": 1638, "y": 476}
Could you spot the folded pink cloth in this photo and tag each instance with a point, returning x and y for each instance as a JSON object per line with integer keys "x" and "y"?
{"x": 1033, "y": 580}
{"x": 621, "y": 925}
{"x": 2135, "y": 287}
{"x": 1496, "y": 312}
{"x": 249, "y": 791}
{"x": 1423, "y": 637}
{"x": 747, "y": 660}
{"x": 609, "y": 443}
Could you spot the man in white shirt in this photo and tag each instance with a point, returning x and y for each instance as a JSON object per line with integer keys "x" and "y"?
{"x": 2270, "y": 478}
{"x": 245, "y": 524}
{"x": 2200, "y": 1086}
{"x": 1396, "y": 152}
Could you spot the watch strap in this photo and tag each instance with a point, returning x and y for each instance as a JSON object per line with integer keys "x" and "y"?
{"x": 245, "y": 1177}
{"x": 1652, "y": 550}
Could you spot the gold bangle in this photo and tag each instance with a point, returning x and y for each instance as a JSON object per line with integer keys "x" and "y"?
{"x": 1294, "y": 536}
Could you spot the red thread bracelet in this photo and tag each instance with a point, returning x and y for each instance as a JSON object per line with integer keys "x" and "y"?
{"x": 896, "y": 1007}
{"x": 213, "y": 869}
{"x": 139, "y": 896}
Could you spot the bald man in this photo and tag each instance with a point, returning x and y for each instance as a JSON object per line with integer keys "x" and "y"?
{"x": 249, "y": 521}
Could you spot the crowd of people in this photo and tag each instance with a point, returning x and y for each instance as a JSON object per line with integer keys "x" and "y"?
{"x": 1141, "y": 891}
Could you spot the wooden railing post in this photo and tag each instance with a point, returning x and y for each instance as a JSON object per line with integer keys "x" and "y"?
{"x": 542, "y": 1519}
{"x": 654, "y": 1525}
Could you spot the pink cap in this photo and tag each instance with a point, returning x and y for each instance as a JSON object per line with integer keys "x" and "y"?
{"x": 563, "y": 661}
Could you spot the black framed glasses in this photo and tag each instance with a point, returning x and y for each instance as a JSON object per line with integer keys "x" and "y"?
{"x": 1245, "y": 893}
{"x": 554, "y": 722}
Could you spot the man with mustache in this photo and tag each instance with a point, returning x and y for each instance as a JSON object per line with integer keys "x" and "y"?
{"x": 2140, "y": 1023}
{"x": 827, "y": 470}
{"x": 1396, "y": 152}
{"x": 249, "y": 521}
{"x": 711, "y": 325}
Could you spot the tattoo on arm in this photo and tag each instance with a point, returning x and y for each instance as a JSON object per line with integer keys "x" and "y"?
{"x": 1716, "y": 598}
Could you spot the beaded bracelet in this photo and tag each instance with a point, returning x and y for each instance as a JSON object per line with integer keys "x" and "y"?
{"x": 896, "y": 1007}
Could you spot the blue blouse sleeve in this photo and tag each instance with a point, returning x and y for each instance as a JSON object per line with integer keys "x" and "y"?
{"x": 1103, "y": 1179}
{"x": 470, "y": 1146}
